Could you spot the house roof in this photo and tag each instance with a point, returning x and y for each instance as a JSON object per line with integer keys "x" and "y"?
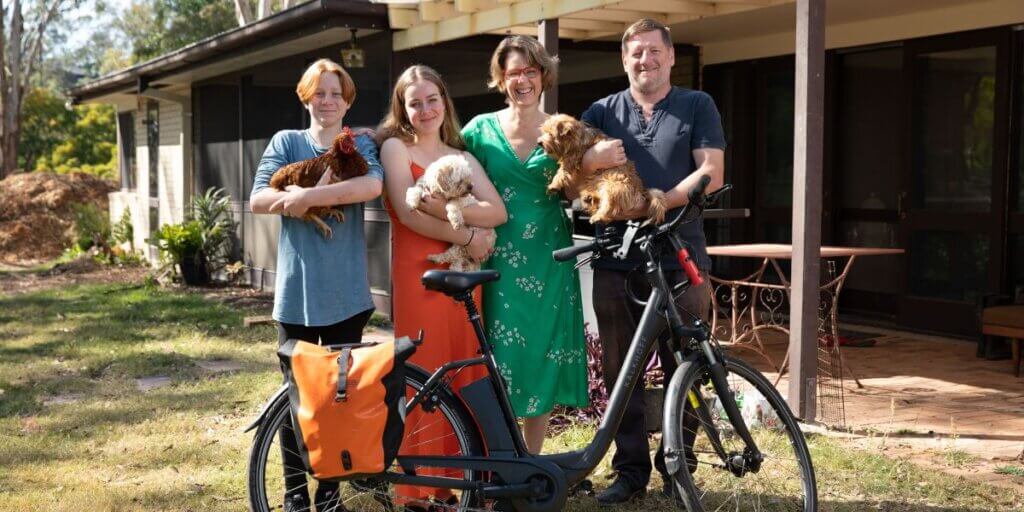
{"x": 302, "y": 20}
{"x": 418, "y": 23}
{"x": 725, "y": 29}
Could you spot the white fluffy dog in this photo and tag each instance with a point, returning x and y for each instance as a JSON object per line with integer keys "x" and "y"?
{"x": 450, "y": 178}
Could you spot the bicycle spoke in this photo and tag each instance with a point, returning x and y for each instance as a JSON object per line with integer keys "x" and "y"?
{"x": 777, "y": 483}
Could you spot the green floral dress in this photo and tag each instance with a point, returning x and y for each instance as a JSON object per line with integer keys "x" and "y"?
{"x": 534, "y": 313}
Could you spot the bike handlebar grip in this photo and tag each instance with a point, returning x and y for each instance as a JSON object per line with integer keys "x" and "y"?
{"x": 698, "y": 189}
{"x": 689, "y": 267}
{"x": 568, "y": 253}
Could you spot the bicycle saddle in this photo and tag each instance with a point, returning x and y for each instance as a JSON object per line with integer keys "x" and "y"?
{"x": 453, "y": 283}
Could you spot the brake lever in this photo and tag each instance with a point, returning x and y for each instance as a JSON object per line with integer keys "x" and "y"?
{"x": 712, "y": 198}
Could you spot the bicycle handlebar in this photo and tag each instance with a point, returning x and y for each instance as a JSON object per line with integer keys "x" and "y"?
{"x": 697, "y": 199}
{"x": 568, "y": 253}
{"x": 698, "y": 190}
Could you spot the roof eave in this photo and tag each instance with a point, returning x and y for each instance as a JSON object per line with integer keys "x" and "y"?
{"x": 126, "y": 80}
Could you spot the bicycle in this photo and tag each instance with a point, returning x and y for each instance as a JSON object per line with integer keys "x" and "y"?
{"x": 725, "y": 462}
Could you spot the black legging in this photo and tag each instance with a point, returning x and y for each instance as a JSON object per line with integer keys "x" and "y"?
{"x": 347, "y": 331}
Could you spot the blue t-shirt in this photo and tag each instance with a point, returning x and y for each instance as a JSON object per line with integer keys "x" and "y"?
{"x": 320, "y": 281}
{"x": 662, "y": 150}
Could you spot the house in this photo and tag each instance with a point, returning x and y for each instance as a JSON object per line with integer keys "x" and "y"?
{"x": 922, "y": 123}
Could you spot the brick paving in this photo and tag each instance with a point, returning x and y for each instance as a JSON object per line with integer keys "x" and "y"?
{"x": 917, "y": 385}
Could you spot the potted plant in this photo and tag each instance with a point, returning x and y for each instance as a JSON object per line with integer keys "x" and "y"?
{"x": 183, "y": 244}
{"x": 201, "y": 246}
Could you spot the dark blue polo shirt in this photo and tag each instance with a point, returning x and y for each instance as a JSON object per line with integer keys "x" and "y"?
{"x": 683, "y": 121}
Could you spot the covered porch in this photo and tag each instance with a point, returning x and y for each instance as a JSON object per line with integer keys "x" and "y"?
{"x": 918, "y": 386}
{"x": 801, "y": 89}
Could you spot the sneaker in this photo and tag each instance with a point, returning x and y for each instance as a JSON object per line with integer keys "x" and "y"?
{"x": 328, "y": 499}
{"x": 584, "y": 488}
{"x": 298, "y": 502}
{"x": 621, "y": 491}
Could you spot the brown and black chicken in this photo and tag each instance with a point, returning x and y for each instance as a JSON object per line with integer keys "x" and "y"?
{"x": 342, "y": 160}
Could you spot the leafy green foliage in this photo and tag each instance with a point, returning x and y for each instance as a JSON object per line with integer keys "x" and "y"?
{"x": 92, "y": 227}
{"x": 156, "y": 27}
{"x": 205, "y": 242}
{"x": 179, "y": 241}
{"x": 81, "y": 46}
{"x": 89, "y": 146}
{"x": 212, "y": 211}
{"x": 123, "y": 231}
{"x": 96, "y": 237}
{"x": 45, "y": 125}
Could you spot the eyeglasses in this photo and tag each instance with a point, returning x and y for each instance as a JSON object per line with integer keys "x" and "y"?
{"x": 529, "y": 73}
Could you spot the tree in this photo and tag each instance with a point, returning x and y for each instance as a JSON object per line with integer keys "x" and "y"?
{"x": 90, "y": 145}
{"x": 23, "y": 32}
{"x": 156, "y": 27}
{"x": 45, "y": 124}
{"x": 264, "y": 8}
{"x": 103, "y": 52}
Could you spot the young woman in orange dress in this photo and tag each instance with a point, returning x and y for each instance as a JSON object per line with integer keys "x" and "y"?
{"x": 421, "y": 126}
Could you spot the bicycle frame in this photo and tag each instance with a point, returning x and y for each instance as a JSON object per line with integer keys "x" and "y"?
{"x": 508, "y": 456}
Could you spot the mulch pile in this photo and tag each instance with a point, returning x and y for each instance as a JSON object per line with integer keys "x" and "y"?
{"x": 36, "y": 221}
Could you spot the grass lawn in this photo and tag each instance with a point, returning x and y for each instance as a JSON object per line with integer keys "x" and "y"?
{"x": 76, "y": 433}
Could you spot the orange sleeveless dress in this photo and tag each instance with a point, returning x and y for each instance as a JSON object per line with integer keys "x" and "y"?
{"x": 447, "y": 336}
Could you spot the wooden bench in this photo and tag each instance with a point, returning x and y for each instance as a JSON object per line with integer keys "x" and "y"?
{"x": 1008, "y": 322}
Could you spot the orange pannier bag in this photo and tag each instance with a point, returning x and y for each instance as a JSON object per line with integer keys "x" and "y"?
{"x": 347, "y": 404}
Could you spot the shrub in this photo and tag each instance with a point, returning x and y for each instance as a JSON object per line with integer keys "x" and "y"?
{"x": 179, "y": 242}
{"x": 90, "y": 147}
{"x": 212, "y": 211}
{"x": 92, "y": 227}
{"x": 124, "y": 231}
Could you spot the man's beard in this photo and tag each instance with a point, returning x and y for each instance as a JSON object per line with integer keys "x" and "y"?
{"x": 651, "y": 84}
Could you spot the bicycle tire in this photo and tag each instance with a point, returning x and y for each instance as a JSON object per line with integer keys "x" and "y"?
{"x": 267, "y": 490}
{"x": 785, "y": 480}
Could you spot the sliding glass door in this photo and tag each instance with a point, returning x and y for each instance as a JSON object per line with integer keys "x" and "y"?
{"x": 952, "y": 211}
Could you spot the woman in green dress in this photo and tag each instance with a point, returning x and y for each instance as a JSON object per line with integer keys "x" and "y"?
{"x": 534, "y": 314}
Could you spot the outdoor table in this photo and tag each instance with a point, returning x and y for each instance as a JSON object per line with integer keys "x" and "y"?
{"x": 755, "y": 305}
{"x": 761, "y": 307}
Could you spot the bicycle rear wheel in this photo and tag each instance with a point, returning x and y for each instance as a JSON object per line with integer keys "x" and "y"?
{"x": 785, "y": 480}
{"x": 448, "y": 427}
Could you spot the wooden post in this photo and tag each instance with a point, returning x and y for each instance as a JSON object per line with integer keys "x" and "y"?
{"x": 547, "y": 33}
{"x": 808, "y": 135}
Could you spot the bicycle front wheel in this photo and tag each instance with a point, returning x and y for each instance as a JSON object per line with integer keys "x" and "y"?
{"x": 699, "y": 431}
{"x": 277, "y": 473}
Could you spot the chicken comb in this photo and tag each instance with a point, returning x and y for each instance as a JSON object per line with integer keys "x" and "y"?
{"x": 348, "y": 141}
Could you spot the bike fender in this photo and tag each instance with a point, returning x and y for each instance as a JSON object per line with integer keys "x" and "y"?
{"x": 673, "y": 415}
{"x": 266, "y": 408}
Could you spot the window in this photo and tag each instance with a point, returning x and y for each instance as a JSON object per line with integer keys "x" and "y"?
{"x": 126, "y": 157}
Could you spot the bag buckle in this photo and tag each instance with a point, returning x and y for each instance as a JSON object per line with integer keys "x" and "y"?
{"x": 342, "y": 394}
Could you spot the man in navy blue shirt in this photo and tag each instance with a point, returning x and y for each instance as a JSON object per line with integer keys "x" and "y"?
{"x": 674, "y": 136}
